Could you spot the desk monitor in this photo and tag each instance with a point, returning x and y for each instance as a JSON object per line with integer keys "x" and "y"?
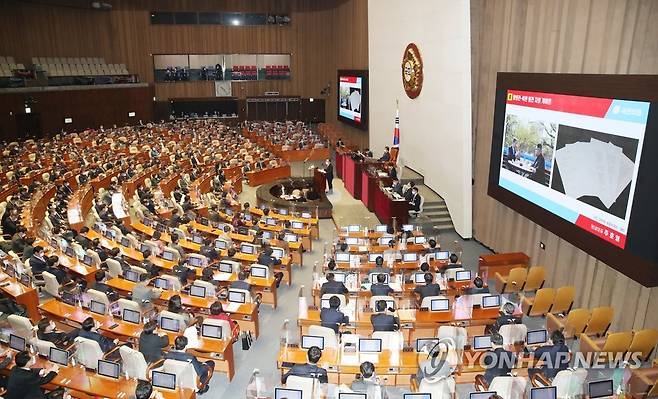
{"x": 125, "y": 241}
{"x": 277, "y": 252}
{"x": 69, "y": 298}
{"x": 247, "y": 217}
{"x": 160, "y": 227}
{"x": 373, "y": 345}
{"x": 225, "y": 267}
{"x": 384, "y": 240}
{"x": 58, "y": 356}
{"x": 481, "y": 342}
{"x": 428, "y": 343}
{"x": 204, "y": 221}
{"x": 131, "y": 316}
{"x": 543, "y": 393}
{"x": 26, "y": 280}
{"x": 97, "y": 307}
{"x": 168, "y": 255}
{"x": 297, "y": 225}
{"x": 381, "y": 228}
{"x": 221, "y": 244}
{"x": 169, "y": 324}
{"x": 342, "y": 257}
{"x": 197, "y": 239}
{"x": 70, "y": 252}
{"x": 9, "y": 269}
{"x": 420, "y": 239}
{"x": 439, "y": 305}
{"x": 463, "y": 275}
{"x": 229, "y": 211}
{"x": 270, "y": 222}
{"x": 418, "y": 395}
{"x": 443, "y": 255}
{"x": 536, "y": 337}
{"x": 306, "y": 215}
{"x": 491, "y": 301}
{"x": 267, "y": 235}
{"x": 161, "y": 283}
{"x": 352, "y": 241}
{"x": 410, "y": 257}
{"x": 283, "y": 211}
{"x": 285, "y": 393}
{"x": 110, "y": 234}
{"x": 340, "y": 277}
{"x": 312, "y": 340}
{"x": 290, "y": 237}
{"x": 372, "y": 257}
{"x": 600, "y": 389}
{"x": 482, "y": 395}
{"x": 164, "y": 380}
{"x": 108, "y": 369}
{"x": 16, "y": 343}
{"x": 237, "y": 296}
{"x": 131, "y": 275}
{"x": 259, "y": 271}
{"x": 353, "y": 228}
{"x": 211, "y": 331}
{"x": 88, "y": 260}
{"x": 247, "y": 249}
{"x": 144, "y": 248}
{"x": 147, "y": 222}
{"x": 419, "y": 278}
{"x": 197, "y": 291}
{"x": 407, "y": 227}
{"x": 194, "y": 261}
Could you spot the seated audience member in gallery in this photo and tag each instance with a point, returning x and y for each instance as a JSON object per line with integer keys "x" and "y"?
{"x": 331, "y": 317}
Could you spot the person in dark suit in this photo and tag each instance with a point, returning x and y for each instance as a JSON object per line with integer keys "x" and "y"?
{"x": 539, "y": 175}
{"x": 452, "y": 264}
{"x": 554, "y": 356}
{"x": 144, "y": 390}
{"x": 25, "y": 382}
{"x": 379, "y": 267}
{"x": 512, "y": 150}
{"x": 506, "y": 317}
{"x": 241, "y": 282}
{"x": 310, "y": 369}
{"x": 151, "y": 344}
{"x": 429, "y": 289}
{"x": 409, "y": 193}
{"x": 414, "y": 202}
{"x": 329, "y": 174}
{"x": 393, "y": 172}
{"x": 203, "y": 370}
{"x": 100, "y": 285}
{"x": 396, "y": 186}
{"x": 208, "y": 250}
{"x": 386, "y": 156}
{"x": 380, "y": 288}
{"x": 81, "y": 238}
{"x": 331, "y": 317}
{"x": 38, "y": 261}
{"x": 87, "y": 332}
{"x": 332, "y": 286}
{"x": 381, "y": 321}
{"x": 56, "y": 270}
{"x": 478, "y": 287}
{"x": 46, "y": 331}
{"x": 497, "y": 361}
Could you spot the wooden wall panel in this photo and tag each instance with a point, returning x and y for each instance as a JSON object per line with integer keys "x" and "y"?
{"x": 577, "y": 36}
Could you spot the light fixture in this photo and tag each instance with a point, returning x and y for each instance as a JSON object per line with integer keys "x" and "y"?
{"x": 28, "y": 110}
{"x": 235, "y": 22}
{"x": 310, "y": 100}
{"x": 131, "y": 114}
{"x": 68, "y": 120}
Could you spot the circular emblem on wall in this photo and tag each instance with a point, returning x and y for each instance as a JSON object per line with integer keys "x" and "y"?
{"x": 412, "y": 71}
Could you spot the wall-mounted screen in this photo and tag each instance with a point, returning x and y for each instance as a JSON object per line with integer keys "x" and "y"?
{"x": 574, "y": 153}
{"x": 353, "y": 97}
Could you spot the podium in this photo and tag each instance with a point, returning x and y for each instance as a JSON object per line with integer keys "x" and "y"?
{"x": 319, "y": 181}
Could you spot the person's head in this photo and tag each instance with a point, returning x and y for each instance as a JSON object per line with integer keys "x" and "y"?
{"x": 84, "y": 230}
{"x": 453, "y": 258}
{"x": 38, "y": 250}
{"x": 88, "y": 324}
{"x": 231, "y": 252}
{"x": 496, "y": 339}
{"x": 330, "y": 277}
{"x": 508, "y": 308}
{"x": 386, "y": 149}
{"x": 391, "y": 244}
{"x": 216, "y": 308}
{"x": 343, "y": 246}
{"x": 334, "y": 302}
{"x": 99, "y": 276}
{"x": 380, "y": 306}
{"x": 396, "y": 182}
{"x": 146, "y": 253}
{"x": 207, "y": 242}
{"x": 414, "y": 190}
{"x": 432, "y": 243}
{"x": 150, "y": 327}
{"x": 381, "y": 278}
{"x": 367, "y": 369}
{"x": 114, "y": 252}
{"x": 45, "y": 325}
{"x": 331, "y": 265}
{"x": 243, "y": 275}
{"x": 424, "y": 267}
{"x": 314, "y": 354}
{"x": 175, "y": 304}
{"x": 327, "y": 161}
{"x": 180, "y": 342}
{"x": 515, "y": 142}
{"x": 143, "y": 390}
{"x": 379, "y": 261}
{"x": 23, "y": 359}
{"x": 157, "y": 235}
{"x": 428, "y": 278}
{"x": 538, "y": 150}
{"x": 477, "y": 282}
{"x": 174, "y": 238}
{"x": 207, "y": 274}
{"x": 557, "y": 337}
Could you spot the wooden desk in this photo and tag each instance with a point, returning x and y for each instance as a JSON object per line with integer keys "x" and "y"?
{"x": 501, "y": 263}
{"x": 26, "y": 296}
{"x": 268, "y": 175}
{"x": 386, "y": 208}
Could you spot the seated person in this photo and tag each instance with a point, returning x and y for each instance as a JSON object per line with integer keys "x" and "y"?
{"x": 159, "y": 244}
{"x": 217, "y": 313}
{"x": 379, "y": 267}
{"x": 208, "y": 250}
{"x": 368, "y": 383}
{"x": 56, "y": 270}
{"x": 432, "y": 246}
{"x": 380, "y": 288}
{"x": 331, "y": 317}
{"x": 144, "y": 390}
{"x": 241, "y": 283}
{"x": 99, "y": 285}
{"x": 115, "y": 253}
{"x": 425, "y": 267}
{"x": 203, "y": 370}
{"x": 88, "y": 331}
{"x": 148, "y": 265}
{"x": 143, "y": 294}
{"x": 554, "y": 355}
{"x": 453, "y": 263}
{"x": 230, "y": 255}
{"x": 38, "y": 261}
{"x": 310, "y": 369}
{"x": 25, "y": 382}
{"x": 381, "y": 321}
{"x": 175, "y": 305}
{"x": 497, "y": 361}
{"x": 506, "y": 317}
{"x": 151, "y": 345}
{"x": 28, "y": 249}
{"x": 478, "y": 287}
{"x": 46, "y": 331}
{"x": 440, "y": 364}
{"x": 175, "y": 244}
{"x": 429, "y": 289}
{"x": 332, "y": 286}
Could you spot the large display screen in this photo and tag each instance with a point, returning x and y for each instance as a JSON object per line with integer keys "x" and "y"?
{"x": 353, "y": 97}
{"x": 578, "y": 158}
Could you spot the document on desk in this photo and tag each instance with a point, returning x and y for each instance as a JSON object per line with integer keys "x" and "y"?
{"x": 233, "y": 307}
{"x": 222, "y": 276}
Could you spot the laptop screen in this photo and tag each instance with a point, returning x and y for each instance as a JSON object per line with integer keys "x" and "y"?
{"x": 482, "y": 342}
{"x": 194, "y": 261}
{"x": 247, "y": 249}
{"x": 306, "y": 215}
{"x": 221, "y": 244}
{"x": 407, "y": 227}
{"x": 410, "y": 257}
{"x": 543, "y": 393}
{"x": 491, "y": 301}
{"x": 372, "y": 257}
{"x": 225, "y": 267}
{"x": 97, "y": 307}
{"x": 381, "y": 228}
{"x": 87, "y": 260}
{"x": 419, "y": 278}
{"x": 297, "y": 225}
{"x": 16, "y": 343}
{"x": 26, "y": 280}
{"x": 600, "y": 389}
{"x": 160, "y": 379}
{"x": 285, "y": 393}
{"x": 347, "y": 395}
{"x": 211, "y": 331}
{"x": 237, "y": 297}
{"x": 353, "y": 228}
{"x": 258, "y": 271}
{"x": 536, "y": 337}
{"x": 283, "y": 212}
{"x": 312, "y": 340}
{"x": 197, "y": 240}
{"x": 420, "y": 240}
{"x": 418, "y": 395}
{"x": 168, "y": 255}
{"x": 144, "y": 248}
{"x": 197, "y": 291}
{"x": 161, "y": 283}
{"x": 342, "y": 257}
{"x": 290, "y": 238}
{"x": 277, "y": 253}
{"x": 131, "y": 316}
{"x": 439, "y": 305}
{"x": 352, "y": 241}
{"x": 442, "y": 255}
{"x": 125, "y": 241}
{"x": 267, "y": 235}
{"x": 108, "y": 369}
{"x": 58, "y": 356}
{"x": 340, "y": 277}
{"x": 324, "y": 303}
{"x": 169, "y": 324}
{"x": 370, "y": 345}
{"x": 270, "y": 222}
{"x": 131, "y": 275}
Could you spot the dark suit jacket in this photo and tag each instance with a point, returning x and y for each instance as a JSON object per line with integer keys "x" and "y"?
{"x": 540, "y": 169}
{"x": 385, "y": 157}
{"x": 497, "y": 363}
{"x": 397, "y": 188}
{"x": 26, "y": 384}
{"x": 105, "y": 344}
{"x": 333, "y": 287}
{"x": 331, "y": 318}
{"x": 329, "y": 171}
{"x": 559, "y": 359}
{"x": 200, "y": 369}
{"x": 380, "y": 289}
{"x": 384, "y": 322}
{"x": 241, "y": 285}
{"x": 38, "y": 265}
{"x": 209, "y": 252}
{"x": 306, "y": 370}
{"x": 475, "y": 290}
{"x": 428, "y": 290}
{"x": 415, "y": 203}
{"x": 151, "y": 346}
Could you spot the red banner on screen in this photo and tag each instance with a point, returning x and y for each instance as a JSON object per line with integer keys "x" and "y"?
{"x": 590, "y": 106}
{"x": 612, "y": 236}
{"x": 348, "y": 79}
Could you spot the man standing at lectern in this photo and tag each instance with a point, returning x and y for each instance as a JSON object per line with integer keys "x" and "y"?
{"x": 329, "y": 174}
